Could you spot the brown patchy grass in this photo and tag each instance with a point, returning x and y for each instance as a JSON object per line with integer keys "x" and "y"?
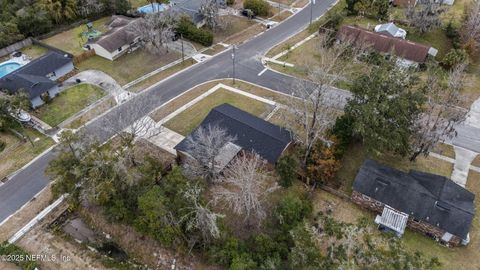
{"x": 18, "y": 153}
{"x": 160, "y": 76}
{"x": 281, "y": 16}
{"x": 445, "y": 150}
{"x": 233, "y": 25}
{"x": 100, "y": 108}
{"x": 129, "y": 66}
{"x": 245, "y": 35}
{"x": 189, "y": 119}
{"x": 215, "y": 49}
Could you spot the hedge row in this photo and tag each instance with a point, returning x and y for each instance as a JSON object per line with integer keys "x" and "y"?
{"x": 259, "y": 7}
{"x": 189, "y": 31}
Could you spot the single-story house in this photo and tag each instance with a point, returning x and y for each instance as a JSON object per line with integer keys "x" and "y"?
{"x": 191, "y": 8}
{"x": 410, "y": 53}
{"x": 252, "y": 134}
{"x": 117, "y": 40}
{"x": 404, "y": 3}
{"x": 39, "y": 76}
{"x": 390, "y": 29}
{"x": 429, "y": 203}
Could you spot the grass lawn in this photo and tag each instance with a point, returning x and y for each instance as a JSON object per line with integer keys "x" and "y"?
{"x": 233, "y": 25}
{"x": 356, "y": 154}
{"x": 17, "y": 153}
{"x": 100, "y": 108}
{"x": 138, "y": 3}
{"x": 129, "y": 66}
{"x": 160, "y": 76}
{"x": 71, "y": 40}
{"x": 34, "y": 51}
{"x": 189, "y": 119}
{"x": 69, "y": 102}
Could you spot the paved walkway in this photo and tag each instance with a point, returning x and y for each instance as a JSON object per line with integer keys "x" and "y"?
{"x": 463, "y": 156}
{"x": 103, "y": 81}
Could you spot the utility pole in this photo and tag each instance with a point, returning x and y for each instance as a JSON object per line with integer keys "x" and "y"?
{"x": 233, "y": 62}
{"x": 312, "y": 2}
{"x": 183, "y": 53}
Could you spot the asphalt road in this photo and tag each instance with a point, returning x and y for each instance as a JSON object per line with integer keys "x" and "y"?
{"x": 22, "y": 187}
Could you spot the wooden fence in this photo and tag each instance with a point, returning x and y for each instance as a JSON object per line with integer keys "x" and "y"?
{"x": 77, "y": 59}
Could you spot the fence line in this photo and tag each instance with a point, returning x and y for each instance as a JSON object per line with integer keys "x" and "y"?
{"x": 15, "y": 47}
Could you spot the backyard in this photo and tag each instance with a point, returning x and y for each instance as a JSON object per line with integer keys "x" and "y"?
{"x": 72, "y": 41}
{"x": 129, "y": 66}
{"x": 68, "y": 102}
{"x": 17, "y": 152}
{"x": 189, "y": 119}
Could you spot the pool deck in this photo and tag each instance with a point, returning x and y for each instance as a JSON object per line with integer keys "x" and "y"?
{"x": 21, "y": 61}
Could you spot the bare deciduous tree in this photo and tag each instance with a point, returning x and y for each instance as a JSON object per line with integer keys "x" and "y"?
{"x": 470, "y": 31}
{"x": 203, "y": 146}
{"x": 209, "y": 10}
{"x": 427, "y": 17}
{"x": 245, "y": 188}
{"x": 441, "y": 111}
{"x": 199, "y": 217}
{"x": 312, "y": 111}
{"x": 155, "y": 30}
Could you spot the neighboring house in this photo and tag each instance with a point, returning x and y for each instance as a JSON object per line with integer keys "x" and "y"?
{"x": 117, "y": 40}
{"x": 404, "y": 3}
{"x": 410, "y": 53}
{"x": 252, "y": 134}
{"x": 390, "y": 29}
{"x": 429, "y": 203}
{"x": 190, "y": 8}
{"x": 39, "y": 76}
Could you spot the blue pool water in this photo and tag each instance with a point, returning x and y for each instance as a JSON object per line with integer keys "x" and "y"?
{"x": 156, "y": 7}
{"x": 8, "y": 67}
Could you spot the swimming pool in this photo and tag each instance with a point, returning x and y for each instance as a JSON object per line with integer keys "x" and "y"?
{"x": 8, "y": 67}
{"x": 156, "y": 7}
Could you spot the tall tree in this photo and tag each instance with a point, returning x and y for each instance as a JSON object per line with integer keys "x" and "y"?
{"x": 470, "y": 31}
{"x": 384, "y": 108}
{"x": 442, "y": 110}
{"x": 209, "y": 10}
{"x": 426, "y": 17}
{"x": 245, "y": 188}
{"x": 314, "y": 108}
{"x": 203, "y": 146}
{"x": 156, "y": 30}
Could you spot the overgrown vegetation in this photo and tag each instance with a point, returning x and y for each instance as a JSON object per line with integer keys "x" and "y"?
{"x": 18, "y": 256}
{"x": 23, "y": 18}
{"x": 188, "y": 30}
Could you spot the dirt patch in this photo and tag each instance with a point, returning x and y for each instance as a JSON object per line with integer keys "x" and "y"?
{"x": 27, "y": 213}
{"x": 8, "y": 266}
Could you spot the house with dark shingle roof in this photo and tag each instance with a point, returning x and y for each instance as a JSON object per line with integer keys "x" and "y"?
{"x": 252, "y": 134}
{"x": 117, "y": 40}
{"x": 411, "y": 53}
{"x": 39, "y": 76}
{"x": 429, "y": 203}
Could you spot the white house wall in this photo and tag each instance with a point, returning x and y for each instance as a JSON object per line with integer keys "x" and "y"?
{"x": 100, "y": 51}
{"x": 36, "y": 102}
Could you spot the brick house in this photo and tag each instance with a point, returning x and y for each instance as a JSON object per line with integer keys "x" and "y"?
{"x": 429, "y": 203}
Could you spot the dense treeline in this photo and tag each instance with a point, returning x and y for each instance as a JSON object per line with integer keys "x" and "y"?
{"x": 23, "y": 18}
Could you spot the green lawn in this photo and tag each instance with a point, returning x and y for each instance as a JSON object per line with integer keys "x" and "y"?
{"x": 71, "y": 40}
{"x": 34, "y": 51}
{"x": 138, "y": 3}
{"x": 129, "y": 66}
{"x": 189, "y": 119}
{"x": 18, "y": 153}
{"x": 69, "y": 102}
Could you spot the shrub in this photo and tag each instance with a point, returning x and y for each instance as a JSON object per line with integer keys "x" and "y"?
{"x": 452, "y": 33}
{"x": 454, "y": 57}
{"x": 230, "y": 2}
{"x": 286, "y": 169}
{"x": 2, "y": 145}
{"x": 259, "y": 7}
{"x": 292, "y": 209}
{"x": 188, "y": 30}
{"x": 322, "y": 165}
{"x": 343, "y": 133}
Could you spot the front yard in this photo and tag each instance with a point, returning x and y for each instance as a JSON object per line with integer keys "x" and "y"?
{"x": 17, "y": 152}
{"x": 189, "y": 119}
{"x": 68, "y": 102}
{"x": 72, "y": 41}
{"x": 129, "y": 66}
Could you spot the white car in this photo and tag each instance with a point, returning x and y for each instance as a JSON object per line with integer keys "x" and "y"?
{"x": 391, "y": 29}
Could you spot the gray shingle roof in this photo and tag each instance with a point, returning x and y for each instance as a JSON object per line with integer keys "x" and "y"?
{"x": 188, "y": 7}
{"x": 118, "y": 35}
{"x": 427, "y": 197}
{"x": 32, "y": 77}
{"x": 252, "y": 133}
